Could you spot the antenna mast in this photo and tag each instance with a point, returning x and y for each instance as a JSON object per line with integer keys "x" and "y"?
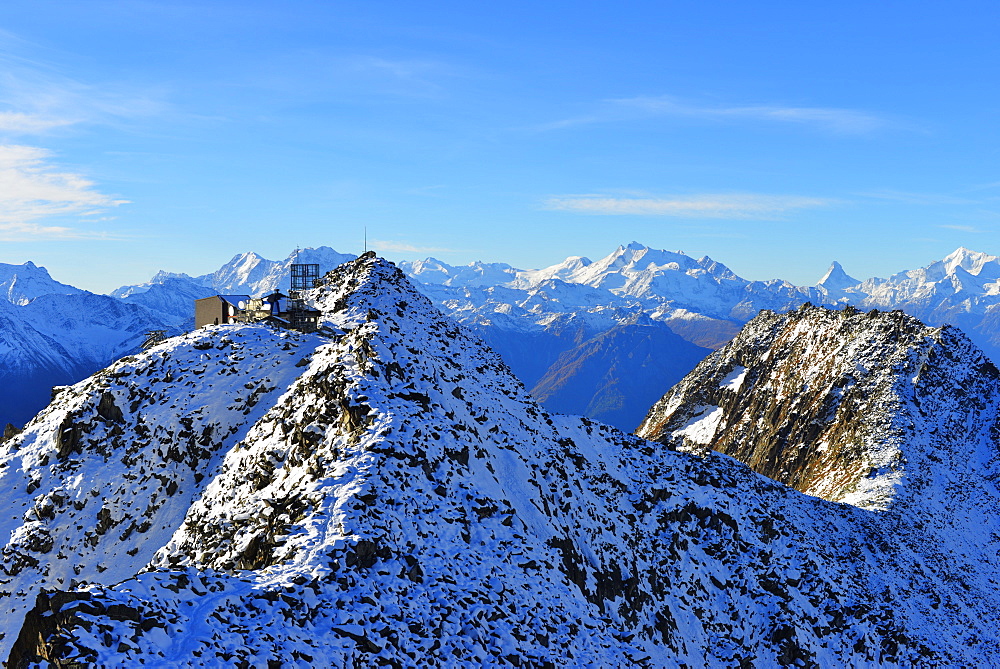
{"x": 366, "y": 239}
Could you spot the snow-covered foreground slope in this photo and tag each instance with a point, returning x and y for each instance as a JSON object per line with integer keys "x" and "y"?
{"x": 102, "y": 478}
{"x": 390, "y": 495}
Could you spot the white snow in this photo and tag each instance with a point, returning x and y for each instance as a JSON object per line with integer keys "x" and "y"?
{"x": 734, "y": 380}
{"x": 702, "y": 426}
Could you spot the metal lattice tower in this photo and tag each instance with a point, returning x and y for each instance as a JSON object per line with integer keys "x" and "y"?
{"x": 304, "y": 276}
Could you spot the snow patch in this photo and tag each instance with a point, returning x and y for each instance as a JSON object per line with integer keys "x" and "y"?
{"x": 703, "y": 426}
{"x": 734, "y": 380}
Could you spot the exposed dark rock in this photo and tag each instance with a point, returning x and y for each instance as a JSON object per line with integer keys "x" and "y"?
{"x": 9, "y": 431}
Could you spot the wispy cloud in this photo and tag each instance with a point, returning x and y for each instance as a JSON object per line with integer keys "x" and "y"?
{"x": 831, "y": 119}
{"x": 928, "y": 199}
{"x": 736, "y": 205}
{"x": 36, "y": 97}
{"x": 404, "y": 247}
{"x": 32, "y": 188}
{"x": 39, "y": 199}
{"x": 962, "y": 228}
{"x": 28, "y": 124}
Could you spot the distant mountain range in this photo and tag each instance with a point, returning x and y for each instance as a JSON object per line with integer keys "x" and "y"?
{"x": 602, "y": 338}
{"x": 543, "y": 322}
{"x": 52, "y": 334}
{"x": 172, "y": 293}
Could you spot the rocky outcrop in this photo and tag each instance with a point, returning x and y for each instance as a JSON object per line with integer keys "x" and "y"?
{"x": 10, "y": 430}
{"x": 842, "y": 405}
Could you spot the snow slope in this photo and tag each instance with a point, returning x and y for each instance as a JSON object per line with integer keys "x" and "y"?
{"x": 390, "y": 495}
{"x": 101, "y": 479}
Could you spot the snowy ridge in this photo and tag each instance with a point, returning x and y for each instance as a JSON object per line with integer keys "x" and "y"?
{"x": 20, "y": 284}
{"x": 874, "y": 410}
{"x": 99, "y": 481}
{"x": 399, "y": 499}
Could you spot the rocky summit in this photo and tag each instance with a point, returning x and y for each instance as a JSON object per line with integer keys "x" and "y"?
{"x": 386, "y": 493}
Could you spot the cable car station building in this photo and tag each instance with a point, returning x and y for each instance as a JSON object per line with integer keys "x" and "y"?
{"x": 289, "y": 311}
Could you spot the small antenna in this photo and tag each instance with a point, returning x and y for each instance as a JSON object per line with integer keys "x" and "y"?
{"x": 366, "y": 239}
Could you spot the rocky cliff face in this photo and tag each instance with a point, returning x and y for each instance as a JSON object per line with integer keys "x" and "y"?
{"x": 389, "y": 494}
{"x": 842, "y": 405}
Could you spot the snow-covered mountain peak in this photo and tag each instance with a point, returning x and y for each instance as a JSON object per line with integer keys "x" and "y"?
{"x": 971, "y": 261}
{"x": 429, "y": 270}
{"x": 367, "y": 283}
{"x": 244, "y": 269}
{"x": 390, "y": 495}
{"x": 624, "y": 263}
{"x": 324, "y": 256}
{"x": 836, "y": 278}
{"x": 474, "y": 275}
{"x": 20, "y": 284}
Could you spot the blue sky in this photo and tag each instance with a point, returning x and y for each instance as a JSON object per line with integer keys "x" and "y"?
{"x": 772, "y": 136}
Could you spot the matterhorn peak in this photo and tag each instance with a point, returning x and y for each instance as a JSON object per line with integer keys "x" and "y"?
{"x": 836, "y": 278}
